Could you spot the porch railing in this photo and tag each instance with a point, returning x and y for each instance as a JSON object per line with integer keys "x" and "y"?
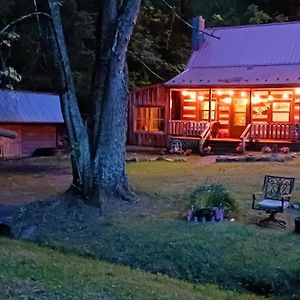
{"x": 256, "y": 131}
{"x": 188, "y": 128}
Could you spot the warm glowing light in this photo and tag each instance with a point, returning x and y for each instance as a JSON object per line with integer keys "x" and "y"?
{"x": 297, "y": 91}
{"x": 245, "y": 100}
{"x": 256, "y": 99}
{"x": 201, "y": 98}
{"x": 219, "y": 92}
{"x": 271, "y": 98}
{"x": 285, "y": 96}
{"x": 227, "y": 100}
{"x": 171, "y": 103}
{"x": 185, "y": 93}
{"x": 231, "y": 93}
{"x": 190, "y": 94}
{"x": 243, "y": 94}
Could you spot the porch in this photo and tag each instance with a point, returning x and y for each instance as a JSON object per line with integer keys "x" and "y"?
{"x": 197, "y": 135}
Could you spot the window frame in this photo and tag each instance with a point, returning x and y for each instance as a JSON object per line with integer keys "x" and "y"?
{"x": 149, "y": 119}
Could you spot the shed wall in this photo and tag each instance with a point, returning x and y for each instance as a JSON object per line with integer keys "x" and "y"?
{"x": 29, "y": 138}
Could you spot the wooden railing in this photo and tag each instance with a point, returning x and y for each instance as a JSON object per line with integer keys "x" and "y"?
{"x": 274, "y": 131}
{"x": 188, "y": 128}
{"x": 257, "y": 131}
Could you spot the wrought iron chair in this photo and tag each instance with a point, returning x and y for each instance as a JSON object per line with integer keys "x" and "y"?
{"x": 276, "y": 194}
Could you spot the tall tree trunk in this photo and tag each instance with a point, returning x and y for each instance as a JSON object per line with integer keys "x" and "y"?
{"x": 98, "y": 153}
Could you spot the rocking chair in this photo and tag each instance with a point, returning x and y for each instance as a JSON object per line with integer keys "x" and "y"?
{"x": 276, "y": 197}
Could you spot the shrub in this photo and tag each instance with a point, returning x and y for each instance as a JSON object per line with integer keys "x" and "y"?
{"x": 212, "y": 196}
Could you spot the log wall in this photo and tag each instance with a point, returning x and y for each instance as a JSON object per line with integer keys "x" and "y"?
{"x": 151, "y": 96}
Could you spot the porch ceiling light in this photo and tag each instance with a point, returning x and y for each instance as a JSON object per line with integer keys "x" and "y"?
{"x": 256, "y": 99}
{"x": 185, "y": 93}
{"x": 219, "y": 92}
{"x": 270, "y": 97}
{"x": 243, "y": 94}
{"x": 231, "y": 93}
{"x": 201, "y": 98}
{"x": 227, "y": 100}
{"x": 285, "y": 96}
{"x": 297, "y": 91}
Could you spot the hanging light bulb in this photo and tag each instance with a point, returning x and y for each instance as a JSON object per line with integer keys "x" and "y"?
{"x": 231, "y": 93}
{"x": 297, "y": 91}
{"x": 270, "y": 97}
{"x": 227, "y": 100}
{"x": 256, "y": 99}
{"x": 219, "y": 92}
{"x": 185, "y": 93}
{"x": 285, "y": 96}
{"x": 201, "y": 98}
{"x": 243, "y": 94}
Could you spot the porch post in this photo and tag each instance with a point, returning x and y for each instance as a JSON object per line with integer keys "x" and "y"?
{"x": 209, "y": 106}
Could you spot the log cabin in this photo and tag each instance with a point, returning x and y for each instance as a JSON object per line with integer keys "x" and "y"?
{"x": 36, "y": 120}
{"x": 241, "y": 86}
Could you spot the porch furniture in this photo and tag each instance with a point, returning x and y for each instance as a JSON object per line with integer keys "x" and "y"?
{"x": 276, "y": 194}
{"x": 215, "y": 126}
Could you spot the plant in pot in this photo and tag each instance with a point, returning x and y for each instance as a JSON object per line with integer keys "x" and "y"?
{"x": 206, "y": 199}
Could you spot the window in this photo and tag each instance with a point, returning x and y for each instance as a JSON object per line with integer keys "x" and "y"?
{"x": 205, "y": 110}
{"x": 150, "y": 119}
{"x": 281, "y": 111}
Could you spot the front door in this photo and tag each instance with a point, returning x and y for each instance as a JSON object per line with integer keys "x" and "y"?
{"x": 239, "y": 116}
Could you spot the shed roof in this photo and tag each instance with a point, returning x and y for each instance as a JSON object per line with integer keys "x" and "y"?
{"x": 29, "y": 107}
{"x": 253, "y": 54}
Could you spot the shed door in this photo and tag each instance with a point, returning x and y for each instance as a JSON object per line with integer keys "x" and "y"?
{"x": 239, "y": 116}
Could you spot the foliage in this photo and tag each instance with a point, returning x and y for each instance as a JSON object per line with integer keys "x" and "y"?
{"x": 212, "y": 195}
{"x": 32, "y": 272}
{"x": 154, "y": 54}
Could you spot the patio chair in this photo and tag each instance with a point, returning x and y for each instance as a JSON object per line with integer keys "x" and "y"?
{"x": 276, "y": 195}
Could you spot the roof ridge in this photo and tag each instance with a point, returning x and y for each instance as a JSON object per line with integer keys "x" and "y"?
{"x": 242, "y": 66}
{"x": 254, "y": 25}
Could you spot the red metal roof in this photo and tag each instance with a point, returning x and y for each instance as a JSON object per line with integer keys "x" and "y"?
{"x": 266, "y": 54}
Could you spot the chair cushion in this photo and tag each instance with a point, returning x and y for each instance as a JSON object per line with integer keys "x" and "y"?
{"x": 272, "y": 204}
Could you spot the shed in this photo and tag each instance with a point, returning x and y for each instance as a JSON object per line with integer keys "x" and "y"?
{"x": 35, "y": 117}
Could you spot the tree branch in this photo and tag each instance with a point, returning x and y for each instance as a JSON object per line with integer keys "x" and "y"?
{"x": 19, "y": 20}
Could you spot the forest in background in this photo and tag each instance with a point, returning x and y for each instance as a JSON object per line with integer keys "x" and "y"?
{"x": 158, "y": 50}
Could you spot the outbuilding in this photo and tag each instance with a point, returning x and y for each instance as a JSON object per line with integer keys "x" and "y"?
{"x": 36, "y": 119}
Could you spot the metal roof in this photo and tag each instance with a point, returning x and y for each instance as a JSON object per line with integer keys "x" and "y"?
{"x": 29, "y": 107}
{"x": 243, "y": 76}
{"x": 254, "y": 54}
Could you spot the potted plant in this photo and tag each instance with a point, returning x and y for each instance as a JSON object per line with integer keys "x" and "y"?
{"x": 206, "y": 199}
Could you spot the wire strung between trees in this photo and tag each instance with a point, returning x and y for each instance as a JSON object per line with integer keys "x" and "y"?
{"x": 146, "y": 66}
{"x": 188, "y": 24}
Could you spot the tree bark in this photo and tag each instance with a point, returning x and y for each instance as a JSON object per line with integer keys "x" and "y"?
{"x": 98, "y": 153}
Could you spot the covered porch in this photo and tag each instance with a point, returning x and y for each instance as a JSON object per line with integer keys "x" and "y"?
{"x": 269, "y": 115}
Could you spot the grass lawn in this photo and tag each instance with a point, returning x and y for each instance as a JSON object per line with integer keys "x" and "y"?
{"x": 150, "y": 236}
{"x": 32, "y": 272}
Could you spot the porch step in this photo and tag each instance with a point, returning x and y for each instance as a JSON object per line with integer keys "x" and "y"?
{"x": 221, "y": 146}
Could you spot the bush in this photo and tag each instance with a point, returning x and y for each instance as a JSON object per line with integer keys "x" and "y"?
{"x": 212, "y": 195}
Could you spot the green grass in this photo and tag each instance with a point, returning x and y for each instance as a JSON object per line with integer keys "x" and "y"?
{"x": 150, "y": 236}
{"x": 32, "y": 272}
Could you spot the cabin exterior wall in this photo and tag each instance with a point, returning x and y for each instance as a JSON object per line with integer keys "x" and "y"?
{"x": 148, "y": 116}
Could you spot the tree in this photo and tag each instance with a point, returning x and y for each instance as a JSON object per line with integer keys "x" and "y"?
{"x": 98, "y": 142}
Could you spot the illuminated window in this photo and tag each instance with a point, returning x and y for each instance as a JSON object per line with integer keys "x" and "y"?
{"x": 150, "y": 119}
{"x": 281, "y": 111}
{"x": 205, "y": 110}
